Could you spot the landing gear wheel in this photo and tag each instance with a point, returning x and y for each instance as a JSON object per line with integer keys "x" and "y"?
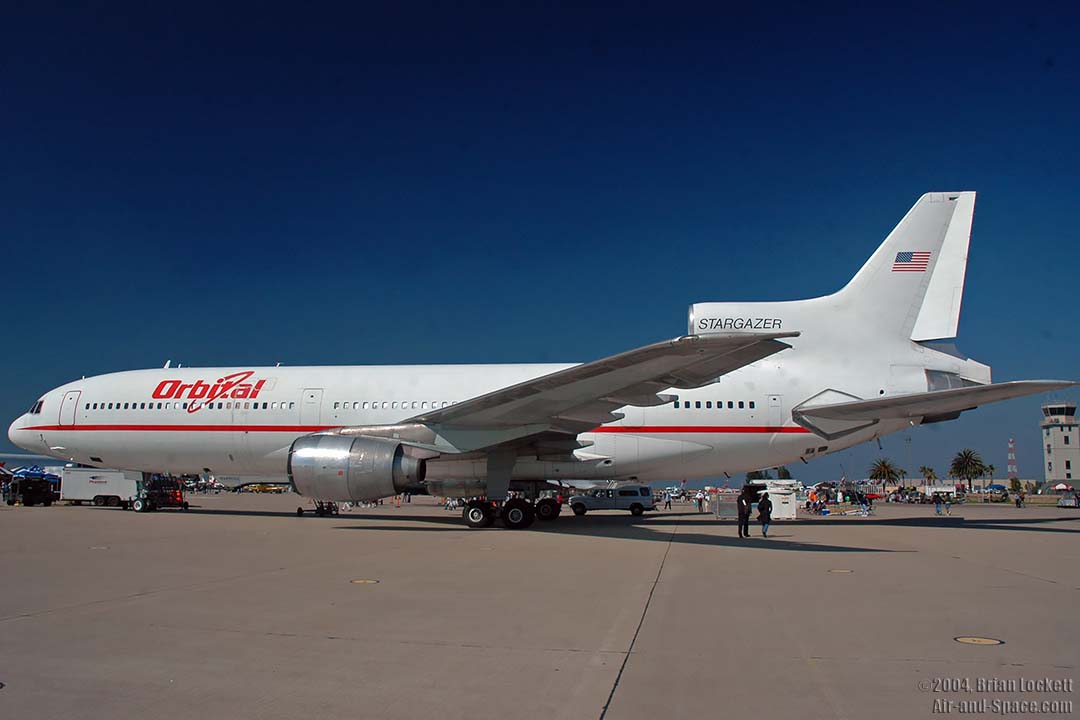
{"x": 579, "y": 509}
{"x": 479, "y": 515}
{"x": 517, "y": 514}
{"x": 547, "y": 510}
{"x": 139, "y": 505}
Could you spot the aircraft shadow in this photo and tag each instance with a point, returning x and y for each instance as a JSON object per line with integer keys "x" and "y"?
{"x": 614, "y": 526}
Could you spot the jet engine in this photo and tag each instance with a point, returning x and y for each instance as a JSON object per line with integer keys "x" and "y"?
{"x": 351, "y": 469}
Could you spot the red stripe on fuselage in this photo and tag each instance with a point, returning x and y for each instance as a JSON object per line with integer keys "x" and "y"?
{"x": 634, "y": 429}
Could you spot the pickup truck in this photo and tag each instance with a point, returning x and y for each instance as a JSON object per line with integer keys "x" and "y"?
{"x": 636, "y": 499}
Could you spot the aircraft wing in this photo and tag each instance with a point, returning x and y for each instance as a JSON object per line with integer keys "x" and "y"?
{"x": 837, "y": 419}
{"x": 580, "y": 398}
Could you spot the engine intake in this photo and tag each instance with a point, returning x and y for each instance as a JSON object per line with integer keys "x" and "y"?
{"x": 351, "y": 469}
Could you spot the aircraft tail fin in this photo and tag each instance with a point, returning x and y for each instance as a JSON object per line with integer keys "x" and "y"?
{"x": 914, "y": 282}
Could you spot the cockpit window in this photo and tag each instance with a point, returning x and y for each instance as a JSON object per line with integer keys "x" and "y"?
{"x": 36, "y": 409}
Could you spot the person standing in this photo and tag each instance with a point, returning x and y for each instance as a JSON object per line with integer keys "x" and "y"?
{"x": 699, "y": 499}
{"x": 667, "y": 499}
{"x": 764, "y": 508}
{"x": 742, "y": 504}
{"x": 937, "y": 504}
{"x": 948, "y": 504}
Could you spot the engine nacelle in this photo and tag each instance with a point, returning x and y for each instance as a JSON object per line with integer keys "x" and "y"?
{"x": 351, "y": 469}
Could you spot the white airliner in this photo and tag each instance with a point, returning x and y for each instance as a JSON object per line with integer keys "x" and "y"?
{"x": 752, "y": 385}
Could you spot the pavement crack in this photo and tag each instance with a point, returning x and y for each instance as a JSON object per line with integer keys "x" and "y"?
{"x": 641, "y": 621}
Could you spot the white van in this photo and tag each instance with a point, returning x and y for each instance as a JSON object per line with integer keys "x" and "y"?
{"x": 636, "y": 499}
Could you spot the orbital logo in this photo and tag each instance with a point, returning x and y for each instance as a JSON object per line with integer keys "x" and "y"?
{"x": 234, "y": 387}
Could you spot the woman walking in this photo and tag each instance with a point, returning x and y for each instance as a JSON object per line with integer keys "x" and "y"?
{"x": 764, "y": 509}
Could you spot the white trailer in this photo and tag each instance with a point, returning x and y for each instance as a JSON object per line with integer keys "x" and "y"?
{"x": 115, "y": 488}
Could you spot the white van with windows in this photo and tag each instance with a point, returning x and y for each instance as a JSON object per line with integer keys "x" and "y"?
{"x": 635, "y": 498}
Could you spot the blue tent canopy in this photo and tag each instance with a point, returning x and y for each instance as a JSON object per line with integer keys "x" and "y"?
{"x": 35, "y": 472}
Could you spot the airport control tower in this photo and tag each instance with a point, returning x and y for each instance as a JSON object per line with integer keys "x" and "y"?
{"x": 1061, "y": 442}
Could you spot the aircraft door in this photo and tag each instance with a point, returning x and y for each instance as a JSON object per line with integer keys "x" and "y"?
{"x": 311, "y": 407}
{"x": 68, "y": 406}
{"x": 775, "y": 418}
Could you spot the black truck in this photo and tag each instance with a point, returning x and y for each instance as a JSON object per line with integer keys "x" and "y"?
{"x": 28, "y": 491}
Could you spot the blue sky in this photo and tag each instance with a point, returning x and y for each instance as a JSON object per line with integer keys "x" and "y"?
{"x": 413, "y": 184}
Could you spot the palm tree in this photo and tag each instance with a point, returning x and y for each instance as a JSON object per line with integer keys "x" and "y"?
{"x": 928, "y": 473}
{"x": 967, "y": 465}
{"x": 884, "y": 470}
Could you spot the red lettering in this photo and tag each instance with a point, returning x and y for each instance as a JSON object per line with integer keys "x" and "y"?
{"x": 198, "y": 390}
{"x": 165, "y": 389}
{"x": 257, "y": 388}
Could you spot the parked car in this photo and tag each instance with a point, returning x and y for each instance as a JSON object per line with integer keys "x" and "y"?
{"x": 634, "y": 498}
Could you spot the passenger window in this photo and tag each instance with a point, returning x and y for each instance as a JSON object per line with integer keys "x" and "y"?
{"x": 393, "y": 405}
{"x": 95, "y": 406}
{"x": 751, "y": 404}
{"x": 142, "y": 406}
{"x": 423, "y": 404}
{"x": 413, "y": 404}
{"x": 698, "y": 404}
{"x": 646, "y": 492}
{"x": 185, "y": 406}
{"x": 730, "y": 404}
{"x": 110, "y": 406}
{"x": 356, "y": 406}
{"x": 384, "y": 404}
{"x": 336, "y": 406}
{"x": 87, "y": 406}
{"x": 444, "y": 403}
{"x": 125, "y": 406}
{"x": 364, "y": 405}
{"x": 676, "y": 404}
{"x": 708, "y": 404}
{"x": 292, "y": 405}
{"x": 245, "y": 406}
{"x": 168, "y": 406}
{"x": 159, "y": 406}
{"x": 740, "y": 404}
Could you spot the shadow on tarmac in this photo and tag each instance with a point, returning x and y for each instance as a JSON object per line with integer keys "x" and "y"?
{"x": 653, "y": 529}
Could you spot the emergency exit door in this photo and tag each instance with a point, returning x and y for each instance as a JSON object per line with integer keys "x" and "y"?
{"x": 68, "y": 406}
{"x": 311, "y": 407}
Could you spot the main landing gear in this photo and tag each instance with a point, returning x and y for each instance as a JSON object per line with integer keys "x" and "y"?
{"x": 515, "y": 513}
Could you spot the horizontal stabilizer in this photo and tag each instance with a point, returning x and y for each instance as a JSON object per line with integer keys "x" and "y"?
{"x": 834, "y": 420}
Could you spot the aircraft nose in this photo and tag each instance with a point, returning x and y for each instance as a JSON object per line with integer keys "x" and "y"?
{"x": 15, "y": 435}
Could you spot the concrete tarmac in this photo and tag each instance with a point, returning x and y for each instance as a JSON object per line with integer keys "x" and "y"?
{"x": 239, "y": 609}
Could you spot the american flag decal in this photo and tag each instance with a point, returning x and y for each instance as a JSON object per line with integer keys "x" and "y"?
{"x": 916, "y": 261}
